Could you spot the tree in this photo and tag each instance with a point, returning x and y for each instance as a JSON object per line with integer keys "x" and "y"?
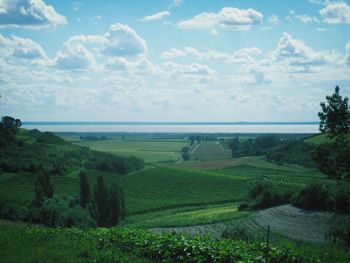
{"x": 333, "y": 158}
{"x": 43, "y": 186}
{"x": 234, "y": 145}
{"x": 101, "y": 202}
{"x": 84, "y": 189}
{"x": 115, "y": 205}
{"x": 335, "y": 115}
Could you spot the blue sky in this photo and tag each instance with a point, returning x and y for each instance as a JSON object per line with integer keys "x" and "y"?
{"x": 186, "y": 60}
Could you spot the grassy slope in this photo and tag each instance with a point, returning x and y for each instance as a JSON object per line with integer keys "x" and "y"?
{"x": 321, "y": 139}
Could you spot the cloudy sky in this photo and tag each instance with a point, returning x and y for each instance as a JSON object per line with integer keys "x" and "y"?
{"x": 172, "y": 60}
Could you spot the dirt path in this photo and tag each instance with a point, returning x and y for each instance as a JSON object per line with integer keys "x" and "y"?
{"x": 289, "y": 221}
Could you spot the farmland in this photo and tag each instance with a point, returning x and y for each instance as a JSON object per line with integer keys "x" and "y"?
{"x": 198, "y": 196}
{"x": 209, "y": 150}
{"x": 151, "y": 151}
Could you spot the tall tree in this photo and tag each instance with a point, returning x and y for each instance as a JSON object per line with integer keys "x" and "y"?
{"x": 101, "y": 202}
{"x": 333, "y": 158}
{"x": 43, "y": 186}
{"x": 115, "y": 205}
{"x": 84, "y": 189}
{"x": 335, "y": 115}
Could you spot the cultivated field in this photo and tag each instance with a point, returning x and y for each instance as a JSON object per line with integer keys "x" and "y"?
{"x": 209, "y": 150}
{"x": 150, "y": 150}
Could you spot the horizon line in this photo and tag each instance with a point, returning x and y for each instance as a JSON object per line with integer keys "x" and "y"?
{"x": 168, "y": 123}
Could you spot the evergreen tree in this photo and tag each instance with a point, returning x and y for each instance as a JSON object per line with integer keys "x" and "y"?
{"x": 101, "y": 203}
{"x": 84, "y": 189}
{"x": 43, "y": 186}
{"x": 122, "y": 204}
{"x": 115, "y": 205}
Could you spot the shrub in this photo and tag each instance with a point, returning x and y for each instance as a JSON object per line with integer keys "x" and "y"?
{"x": 339, "y": 231}
{"x": 314, "y": 197}
{"x": 237, "y": 232}
{"x": 243, "y": 206}
{"x": 265, "y": 195}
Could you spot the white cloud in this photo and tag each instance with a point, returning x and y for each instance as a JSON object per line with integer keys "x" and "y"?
{"x": 189, "y": 69}
{"x": 320, "y": 2}
{"x": 241, "y": 56}
{"x": 228, "y": 18}
{"x": 141, "y": 66}
{"x": 124, "y": 41}
{"x": 14, "y": 48}
{"x": 156, "y": 16}
{"x": 321, "y": 29}
{"x": 336, "y": 13}
{"x": 74, "y": 56}
{"x": 32, "y": 14}
{"x": 172, "y": 53}
{"x": 83, "y": 52}
{"x": 257, "y": 77}
{"x": 305, "y": 19}
{"x": 347, "y": 54}
{"x": 274, "y": 20}
{"x": 297, "y": 53}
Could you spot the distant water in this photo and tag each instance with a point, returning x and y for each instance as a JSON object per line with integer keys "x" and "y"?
{"x": 176, "y": 127}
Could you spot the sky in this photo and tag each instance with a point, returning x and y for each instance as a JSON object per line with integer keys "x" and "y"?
{"x": 172, "y": 60}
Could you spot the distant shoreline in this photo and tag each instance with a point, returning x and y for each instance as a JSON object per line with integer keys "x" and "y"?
{"x": 164, "y": 123}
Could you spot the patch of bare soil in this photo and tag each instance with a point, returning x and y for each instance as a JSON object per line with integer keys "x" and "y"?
{"x": 289, "y": 221}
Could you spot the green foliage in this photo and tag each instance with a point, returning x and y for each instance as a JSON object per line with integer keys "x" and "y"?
{"x": 321, "y": 197}
{"x": 339, "y": 231}
{"x": 333, "y": 159}
{"x": 43, "y": 187}
{"x": 84, "y": 189}
{"x": 266, "y": 195}
{"x": 293, "y": 151}
{"x": 335, "y": 115}
{"x": 237, "y": 232}
{"x": 257, "y": 146}
{"x": 28, "y": 244}
{"x": 109, "y": 207}
{"x": 32, "y": 149}
{"x": 185, "y": 153}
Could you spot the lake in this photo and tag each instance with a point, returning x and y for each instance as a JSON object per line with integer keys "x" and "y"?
{"x": 176, "y": 127}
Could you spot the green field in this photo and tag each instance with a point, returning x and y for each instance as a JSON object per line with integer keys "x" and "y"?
{"x": 150, "y": 150}
{"x": 187, "y": 216}
{"x": 209, "y": 150}
{"x": 161, "y": 188}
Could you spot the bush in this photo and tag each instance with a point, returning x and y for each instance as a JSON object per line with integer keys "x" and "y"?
{"x": 243, "y": 206}
{"x": 265, "y": 195}
{"x": 237, "y": 232}
{"x": 61, "y": 210}
{"x": 339, "y": 231}
{"x": 313, "y": 197}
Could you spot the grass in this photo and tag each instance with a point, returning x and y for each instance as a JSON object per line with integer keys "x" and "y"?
{"x": 27, "y": 244}
{"x": 152, "y": 151}
{"x": 209, "y": 150}
{"x": 188, "y": 216}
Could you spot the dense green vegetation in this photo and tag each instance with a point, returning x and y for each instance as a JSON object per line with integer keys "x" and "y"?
{"x": 38, "y": 244}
